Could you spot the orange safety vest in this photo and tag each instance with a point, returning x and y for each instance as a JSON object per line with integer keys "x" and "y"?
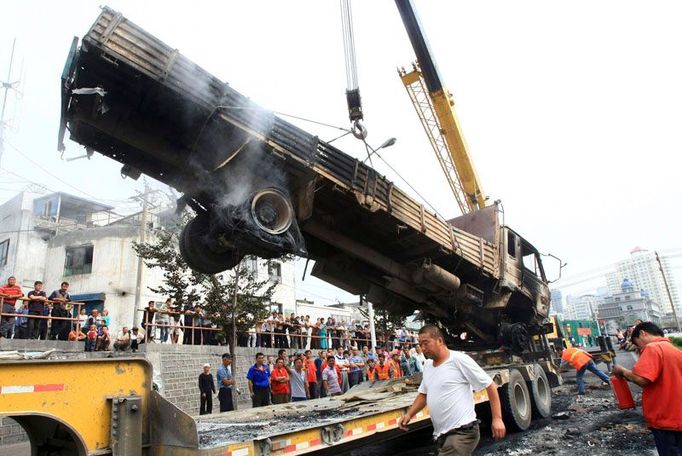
{"x": 371, "y": 373}
{"x": 382, "y": 372}
{"x": 576, "y": 357}
{"x": 397, "y": 372}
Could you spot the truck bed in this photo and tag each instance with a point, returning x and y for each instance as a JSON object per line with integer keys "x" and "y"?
{"x": 167, "y": 117}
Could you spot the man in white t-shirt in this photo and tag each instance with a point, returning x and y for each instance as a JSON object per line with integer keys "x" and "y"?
{"x": 447, "y": 387}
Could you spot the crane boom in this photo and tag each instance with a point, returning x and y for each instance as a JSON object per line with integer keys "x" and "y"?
{"x": 435, "y": 108}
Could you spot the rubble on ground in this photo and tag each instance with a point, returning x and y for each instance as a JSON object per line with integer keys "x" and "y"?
{"x": 580, "y": 425}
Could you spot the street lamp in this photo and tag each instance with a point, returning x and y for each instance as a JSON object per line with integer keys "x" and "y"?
{"x": 388, "y": 143}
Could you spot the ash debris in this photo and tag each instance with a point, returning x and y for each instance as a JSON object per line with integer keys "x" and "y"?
{"x": 580, "y": 425}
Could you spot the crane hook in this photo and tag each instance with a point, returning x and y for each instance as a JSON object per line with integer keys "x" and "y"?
{"x": 359, "y": 130}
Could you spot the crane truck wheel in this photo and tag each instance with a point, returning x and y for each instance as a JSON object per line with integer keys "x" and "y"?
{"x": 198, "y": 255}
{"x": 541, "y": 393}
{"x": 516, "y": 402}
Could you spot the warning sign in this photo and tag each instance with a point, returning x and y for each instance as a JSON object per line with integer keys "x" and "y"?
{"x": 584, "y": 331}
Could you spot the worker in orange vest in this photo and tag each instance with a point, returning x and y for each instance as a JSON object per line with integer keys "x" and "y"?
{"x": 581, "y": 361}
{"x": 383, "y": 369}
{"x": 395, "y": 364}
{"x": 371, "y": 370}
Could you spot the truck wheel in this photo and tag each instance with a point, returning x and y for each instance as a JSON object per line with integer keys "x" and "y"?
{"x": 198, "y": 255}
{"x": 541, "y": 393}
{"x": 516, "y": 403}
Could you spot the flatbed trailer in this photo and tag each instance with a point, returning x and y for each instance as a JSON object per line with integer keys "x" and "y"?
{"x": 56, "y": 402}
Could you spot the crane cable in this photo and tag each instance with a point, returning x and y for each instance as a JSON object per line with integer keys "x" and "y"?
{"x": 352, "y": 87}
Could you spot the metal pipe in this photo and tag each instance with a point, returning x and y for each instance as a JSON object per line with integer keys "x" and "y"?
{"x": 358, "y": 250}
{"x": 440, "y": 277}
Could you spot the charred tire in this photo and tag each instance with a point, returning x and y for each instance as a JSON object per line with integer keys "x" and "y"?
{"x": 198, "y": 255}
{"x": 516, "y": 403}
{"x": 541, "y": 393}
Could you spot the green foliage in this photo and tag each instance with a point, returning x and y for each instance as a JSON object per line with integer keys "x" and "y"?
{"x": 677, "y": 341}
{"x": 215, "y": 293}
{"x": 253, "y": 298}
{"x": 180, "y": 283}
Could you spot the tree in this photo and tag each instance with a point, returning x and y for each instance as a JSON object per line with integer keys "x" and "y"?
{"x": 236, "y": 300}
{"x": 179, "y": 283}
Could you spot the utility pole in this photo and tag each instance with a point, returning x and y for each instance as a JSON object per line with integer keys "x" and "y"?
{"x": 140, "y": 262}
{"x": 7, "y": 86}
{"x": 667, "y": 289}
{"x": 372, "y": 329}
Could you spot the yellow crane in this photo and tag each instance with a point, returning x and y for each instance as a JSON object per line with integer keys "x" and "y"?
{"x": 435, "y": 107}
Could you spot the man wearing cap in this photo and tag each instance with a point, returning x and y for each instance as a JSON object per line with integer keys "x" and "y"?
{"x": 225, "y": 382}
{"x": 207, "y": 389}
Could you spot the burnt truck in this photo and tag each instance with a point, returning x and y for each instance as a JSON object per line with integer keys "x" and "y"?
{"x": 260, "y": 185}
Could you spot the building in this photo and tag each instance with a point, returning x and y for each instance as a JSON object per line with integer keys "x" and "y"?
{"x": 582, "y": 307}
{"x": 556, "y": 302}
{"x": 642, "y": 270}
{"x": 60, "y": 237}
{"x": 622, "y": 309}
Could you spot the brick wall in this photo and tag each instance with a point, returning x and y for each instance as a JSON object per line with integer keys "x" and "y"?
{"x": 11, "y": 432}
{"x": 177, "y": 369}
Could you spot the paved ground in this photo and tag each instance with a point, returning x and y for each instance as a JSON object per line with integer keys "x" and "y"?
{"x": 594, "y": 427}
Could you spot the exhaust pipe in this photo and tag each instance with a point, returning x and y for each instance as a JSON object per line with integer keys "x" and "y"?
{"x": 271, "y": 211}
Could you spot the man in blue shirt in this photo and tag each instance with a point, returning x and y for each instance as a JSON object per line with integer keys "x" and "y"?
{"x": 225, "y": 382}
{"x": 259, "y": 382}
{"x": 356, "y": 365}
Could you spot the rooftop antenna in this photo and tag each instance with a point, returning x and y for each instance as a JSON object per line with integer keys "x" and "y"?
{"x": 7, "y": 86}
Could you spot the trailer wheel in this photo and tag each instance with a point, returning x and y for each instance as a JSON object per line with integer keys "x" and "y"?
{"x": 198, "y": 255}
{"x": 516, "y": 402}
{"x": 541, "y": 393}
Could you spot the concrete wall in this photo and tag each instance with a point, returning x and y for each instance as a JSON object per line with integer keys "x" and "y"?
{"x": 27, "y": 248}
{"x": 114, "y": 269}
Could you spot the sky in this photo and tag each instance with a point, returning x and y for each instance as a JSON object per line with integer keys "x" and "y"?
{"x": 571, "y": 110}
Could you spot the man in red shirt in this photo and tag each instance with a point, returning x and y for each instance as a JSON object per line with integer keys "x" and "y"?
{"x": 661, "y": 398}
{"x": 279, "y": 383}
{"x": 10, "y": 293}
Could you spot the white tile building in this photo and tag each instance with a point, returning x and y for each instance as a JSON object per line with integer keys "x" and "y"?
{"x": 642, "y": 270}
{"x": 59, "y": 237}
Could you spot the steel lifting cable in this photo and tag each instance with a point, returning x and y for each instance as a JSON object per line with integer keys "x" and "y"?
{"x": 352, "y": 87}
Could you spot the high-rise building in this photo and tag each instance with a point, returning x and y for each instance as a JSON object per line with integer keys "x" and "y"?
{"x": 556, "y": 302}
{"x": 582, "y": 307}
{"x": 642, "y": 271}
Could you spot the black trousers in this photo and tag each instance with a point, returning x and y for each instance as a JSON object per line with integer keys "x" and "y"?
{"x": 312, "y": 387}
{"x": 261, "y": 396}
{"x": 34, "y": 325}
{"x": 206, "y": 407}
{"x": 225, "y": 398}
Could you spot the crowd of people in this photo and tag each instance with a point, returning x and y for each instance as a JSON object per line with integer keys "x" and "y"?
{"x": 304, "y": 375}
{"x": 35, "y": 315}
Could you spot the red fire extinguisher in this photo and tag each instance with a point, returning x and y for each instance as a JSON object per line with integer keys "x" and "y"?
{"x": 621, "y": 390}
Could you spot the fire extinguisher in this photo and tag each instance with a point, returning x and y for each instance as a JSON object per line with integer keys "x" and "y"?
{"x": 621, "y": 390}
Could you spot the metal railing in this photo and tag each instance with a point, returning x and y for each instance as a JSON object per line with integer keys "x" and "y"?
{"x": 277, "y": 338}
{"x": 69, "y": 306}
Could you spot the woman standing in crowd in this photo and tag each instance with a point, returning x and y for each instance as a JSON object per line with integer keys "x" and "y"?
{"x": 323, "y": 335}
